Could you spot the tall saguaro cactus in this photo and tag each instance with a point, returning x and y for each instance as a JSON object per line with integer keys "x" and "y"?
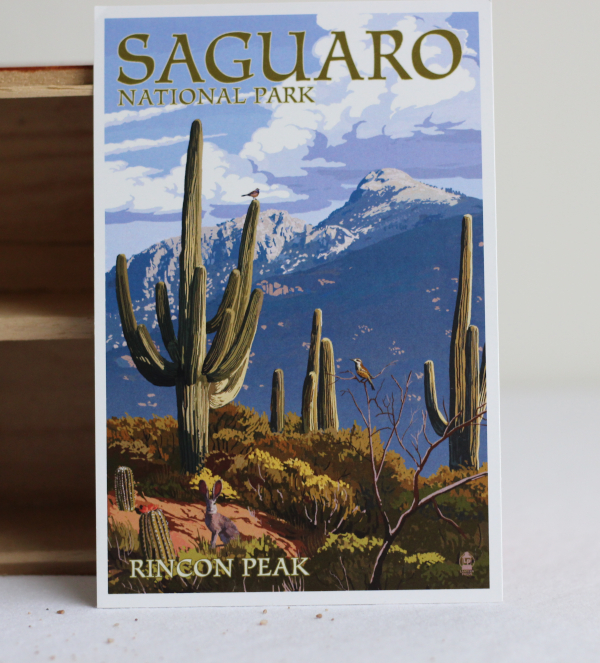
{"x": 467, "y": 378}
{"x": 311, "y": 382}
{"x": 326, "y": 400}
{"x": 202, "y": 379}
{"x": 277, "y": 402}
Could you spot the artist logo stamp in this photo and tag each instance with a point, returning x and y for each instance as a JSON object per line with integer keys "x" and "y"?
{"x": 466, "y": 562}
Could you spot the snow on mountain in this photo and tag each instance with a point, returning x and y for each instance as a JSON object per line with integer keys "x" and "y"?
{"x": 385, "y": 203}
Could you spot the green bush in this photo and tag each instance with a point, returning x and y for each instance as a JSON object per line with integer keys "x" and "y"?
{"x": 321, "y": 484}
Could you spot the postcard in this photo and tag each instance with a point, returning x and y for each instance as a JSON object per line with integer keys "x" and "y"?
{"x": 296, "y": 304}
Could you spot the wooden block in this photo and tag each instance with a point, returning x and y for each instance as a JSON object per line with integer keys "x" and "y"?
{"x": 47, "y": 469}
{"x": 25, "y": 91}
{"x": 46, "y": 267}
{"x": 33, "y": 316}
{"x": 46, "y": 167}
{"x": 52, "y": 539}
{"x": 46, "y": 82}
{"x": 47, "y": 404}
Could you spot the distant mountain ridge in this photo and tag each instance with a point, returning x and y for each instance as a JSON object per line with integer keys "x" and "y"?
{"x": 385, "y": 203}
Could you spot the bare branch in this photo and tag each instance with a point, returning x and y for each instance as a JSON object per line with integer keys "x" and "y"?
{"x": 448, "y": 520}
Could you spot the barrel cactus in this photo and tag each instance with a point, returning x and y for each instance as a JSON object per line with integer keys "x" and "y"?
{"x": 124, "y": 489}
{"x": 155, "y": 536}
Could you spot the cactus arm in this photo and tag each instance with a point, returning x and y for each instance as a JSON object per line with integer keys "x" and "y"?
{"x": 158, "y": 370}
{"x": 191, "y": 225}
{"x": 223, "y": 392}
{"x": 243, "y": 342}
{"x": 438, "y": 421}
{"x": 315, "y": 342}
{"x": 221, "y": 342}
{"x": 277, "y": 402}
{"x": 246, "y": 261}
{"x": 229, "y": 301}
{"x": 193, "y": 342}
{"x": 472, "y": 394}
{"x": 313, "y": 357}
{"x": 174, "y": 352}
{"x": 462, "y": 320}
{"x": 326, "y": 399}
{"x": 146, "y": 357}
{"x": 309, "y": 394}
{"x": 483, "y": 380}
{"x": 163, "y": 314}
{"x": 128, "y": 321}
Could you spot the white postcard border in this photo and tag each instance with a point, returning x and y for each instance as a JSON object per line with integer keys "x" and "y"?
{"x": 494, "y": 593}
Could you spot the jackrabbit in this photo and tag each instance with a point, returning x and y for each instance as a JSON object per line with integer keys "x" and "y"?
{"x": 217, "y": 523}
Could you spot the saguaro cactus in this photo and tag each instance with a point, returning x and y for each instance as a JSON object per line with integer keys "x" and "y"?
{"x": 124, "y": 489}
{"x": 202, "y": 379}
{"x": 155, "y": 536}
{"x": 326, "y": 400}
{"x": 277, "y": 402}
{"x": 467, "y": 379}
{"x": 311, "y": 382}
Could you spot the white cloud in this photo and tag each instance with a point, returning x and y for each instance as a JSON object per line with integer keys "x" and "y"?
{"x": 142, "y": 144}
{"x": 225, "y": 179}
{"x": 124, "y": 116}
{"x": 396, "y": 104}
{"x": 395, "y": 107}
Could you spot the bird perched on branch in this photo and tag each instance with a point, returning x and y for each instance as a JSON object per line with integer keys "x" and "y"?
{"x": 252, "y": 194}
{"x": 363, "y": 373}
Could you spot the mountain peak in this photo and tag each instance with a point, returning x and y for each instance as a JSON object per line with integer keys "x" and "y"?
{"x": 398, "y": 186}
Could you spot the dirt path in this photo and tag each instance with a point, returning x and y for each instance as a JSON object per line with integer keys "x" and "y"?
{"x": 186, "y": 523}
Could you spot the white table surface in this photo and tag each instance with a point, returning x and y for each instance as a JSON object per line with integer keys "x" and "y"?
{"x": 551, "y": 610}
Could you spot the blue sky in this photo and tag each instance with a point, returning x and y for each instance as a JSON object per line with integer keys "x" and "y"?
{"x": 306, "y": 158}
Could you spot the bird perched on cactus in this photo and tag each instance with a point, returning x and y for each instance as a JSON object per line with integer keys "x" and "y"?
{"x": 252, "y": 194}
{"x": 363, "y": 373}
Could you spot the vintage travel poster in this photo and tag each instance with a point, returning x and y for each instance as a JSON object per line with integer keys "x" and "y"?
{"x": 296, "y": 316}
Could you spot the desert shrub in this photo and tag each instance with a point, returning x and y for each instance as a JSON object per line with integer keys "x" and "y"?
{"x": 123, "y": 542}
{"x": 227, "y": 492}
{"x": 448, "y": 576}
{"x": 321, "y": 483}
{"x": 345, "y": 563}
{"x": 142, "y": 444}
{"x": 291, "y": 490}
{"x": 238, "y": 549}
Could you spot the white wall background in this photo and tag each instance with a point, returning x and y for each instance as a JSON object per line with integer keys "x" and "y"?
{"x": 547, "y": 153}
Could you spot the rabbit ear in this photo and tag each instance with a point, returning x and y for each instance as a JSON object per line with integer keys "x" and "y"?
{"x": 217, "y": 489}
{"x": 202, "y": 487}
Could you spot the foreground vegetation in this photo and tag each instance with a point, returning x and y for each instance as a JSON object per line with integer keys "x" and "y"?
{"x": 320, "y": 483}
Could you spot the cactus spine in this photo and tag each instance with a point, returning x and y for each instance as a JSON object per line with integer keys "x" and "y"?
{"x": 311, "y": 382}
{"x": 467, "y": 378}
{"x": 327, "y": 401}
{"x": 155, "y": 536}
{"x": 124, "y": 489}
{"x": 202, "y": 379}
{"x": 277, "y": 402}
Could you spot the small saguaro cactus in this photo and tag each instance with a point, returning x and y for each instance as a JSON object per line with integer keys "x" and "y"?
{"x": 326, "y": 400}
{"x": 155, "y": 536}
{"x": 202, "y": 379}
{"x": 467, "y": 378}
{"x": 311, "y": 382}
{"x": 124, "y": 488}
{"x": 277, "y": 402}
